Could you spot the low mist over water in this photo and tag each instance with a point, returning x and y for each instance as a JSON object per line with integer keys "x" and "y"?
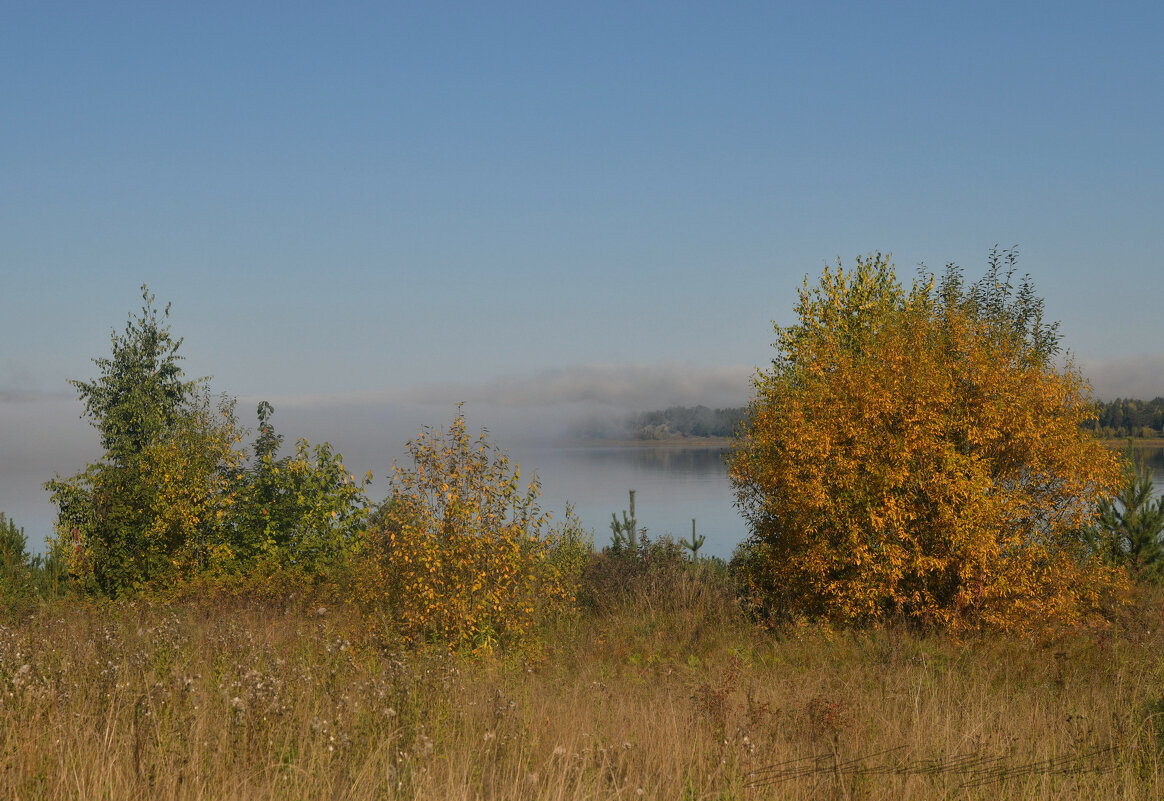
{"x": 40, "y": 437}
{"x": 674, "y": 482}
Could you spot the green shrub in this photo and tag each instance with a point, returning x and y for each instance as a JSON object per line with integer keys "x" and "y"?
{"x": 16, "y": 585}
{"x": 1128, "y": 530}
{"x": 656, "y": 577}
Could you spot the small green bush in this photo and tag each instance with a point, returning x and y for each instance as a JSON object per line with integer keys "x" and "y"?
{"x": 15, "y": 581}
{"x": 655, "y": 577}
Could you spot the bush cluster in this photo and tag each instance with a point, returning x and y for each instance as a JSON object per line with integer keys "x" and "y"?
{"x": 910, "y": 455}
{"x": 460, "y": 552}
{"x": 173, "y": 496}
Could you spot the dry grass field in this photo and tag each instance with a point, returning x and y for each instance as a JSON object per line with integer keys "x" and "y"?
{"x": 663, "y": 693}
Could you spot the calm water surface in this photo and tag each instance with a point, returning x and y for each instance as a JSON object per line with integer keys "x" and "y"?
{"x": 672, "y": 485}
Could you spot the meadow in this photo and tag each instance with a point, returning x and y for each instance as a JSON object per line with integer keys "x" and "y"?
{"x": 657, "y": 687}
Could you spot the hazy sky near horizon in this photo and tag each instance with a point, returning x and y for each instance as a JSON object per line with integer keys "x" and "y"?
{"x": 540, "y": 206}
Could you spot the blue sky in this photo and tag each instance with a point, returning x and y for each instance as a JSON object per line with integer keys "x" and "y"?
{"x": 353, "y": 205}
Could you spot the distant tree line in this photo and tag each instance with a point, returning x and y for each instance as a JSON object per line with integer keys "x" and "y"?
{"x": 1118, "y": 419}
{"x": 687, "y": 421}
{"x": 1126, "y": 417}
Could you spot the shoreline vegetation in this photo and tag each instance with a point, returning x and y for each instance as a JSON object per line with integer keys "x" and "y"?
{"x": 1137, "y": 442}
{"x": 1117, "y": 422}
{"x": 679, "y": 442}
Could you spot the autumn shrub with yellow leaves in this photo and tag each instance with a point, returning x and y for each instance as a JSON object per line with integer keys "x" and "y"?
{"x": 460, "y": 552}
{"x": 918, "y": 455}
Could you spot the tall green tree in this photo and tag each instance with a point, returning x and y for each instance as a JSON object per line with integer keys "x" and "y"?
{"x": 141, "y": 390}
{"x": 149, "y": 505}
{"x": 173, "y": 494}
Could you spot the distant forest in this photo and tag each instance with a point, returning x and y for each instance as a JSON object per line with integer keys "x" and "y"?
{"x": 1130, "y": 418}
{"x": 1121, "y": 418}
{"x": 686, "y": 421}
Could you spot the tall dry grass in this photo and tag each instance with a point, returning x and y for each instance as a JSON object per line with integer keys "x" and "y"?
{"x": 666, "y": 693}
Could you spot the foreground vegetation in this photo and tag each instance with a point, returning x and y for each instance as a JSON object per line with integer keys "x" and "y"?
{"x": 658, "y": 688}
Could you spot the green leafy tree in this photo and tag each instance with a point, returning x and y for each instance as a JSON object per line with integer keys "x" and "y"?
{"x": 141, "y": 392}
{"x": 158, "y": 513}
{"x": 174, "y": 496}
{"x": 304, "y": 509}
{"x": 106, "y": 515}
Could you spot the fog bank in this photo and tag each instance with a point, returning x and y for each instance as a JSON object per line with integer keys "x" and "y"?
{"x": 42, "y": 435}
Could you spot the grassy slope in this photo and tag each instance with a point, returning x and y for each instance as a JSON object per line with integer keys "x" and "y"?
{"x": 652, "y": 699}
{"x": 1120, "y": 444}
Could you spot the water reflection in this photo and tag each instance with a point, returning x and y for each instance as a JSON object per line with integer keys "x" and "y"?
{"x": 1154, "y": 460}
{"x": 684, "y": 461}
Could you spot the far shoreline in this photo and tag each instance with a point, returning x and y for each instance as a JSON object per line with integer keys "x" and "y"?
{"x": 1137, "y": 442}
{"x": 670, "y": 442}
{"x": 726, "y": 442}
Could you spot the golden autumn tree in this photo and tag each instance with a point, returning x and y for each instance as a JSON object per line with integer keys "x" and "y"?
{"x": 461, "y": 553}
{"x": 918, "y": 454}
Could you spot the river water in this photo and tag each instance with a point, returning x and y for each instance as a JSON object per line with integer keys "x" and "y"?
{"x": 672, "y": 484}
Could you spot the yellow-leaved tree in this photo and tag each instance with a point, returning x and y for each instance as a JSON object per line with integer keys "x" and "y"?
{"x": 460, "y": 553}
{"x": 918, "y": 455}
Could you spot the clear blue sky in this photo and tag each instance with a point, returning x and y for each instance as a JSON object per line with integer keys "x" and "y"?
{"x": 422, "y": 202}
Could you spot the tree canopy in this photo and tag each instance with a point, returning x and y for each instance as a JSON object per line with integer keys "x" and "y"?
{"x": 918, "y": 454}
{"x": 141, "y": 390}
